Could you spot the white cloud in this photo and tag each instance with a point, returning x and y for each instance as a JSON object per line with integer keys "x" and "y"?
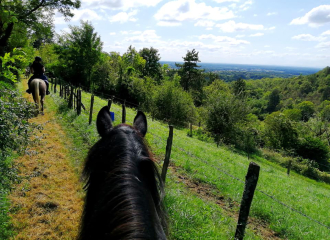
{"x": 168, "y": 24}
{"x": 119, "y": 4}
{"x": 271, "y": 13}
{"x": 267, "y": 46}
{"x": 245, "y": 6}
{"x": 323, "y": 45}
{"x": 222, "y": 1}
{"x": 271, "y": 28}
{"x": 315, "y": 17}
{"x": 325, "y": 33}
{"x": 232, "y": 26}
{"x": 205, "y": 23}
{"x": 123, "y": 17}
{"x": 148, "y": 36}
{"x": 291, "y": 48}
{"x": 112, "y": 33}
{"x": 174, "y": 12}
{"x": 79, "y": 14}
{"x": 308, "y": 37}
{"x": 240, "y": 36}
{"x": 256, "y": 35}
{"x": 224, "y": 39}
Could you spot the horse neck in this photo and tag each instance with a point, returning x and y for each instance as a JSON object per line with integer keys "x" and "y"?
{"x": 129, "y": 198}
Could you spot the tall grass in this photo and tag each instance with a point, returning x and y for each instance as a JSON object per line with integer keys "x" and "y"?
{"x": 220, "y": 168}
{"x": 190, "y": 217}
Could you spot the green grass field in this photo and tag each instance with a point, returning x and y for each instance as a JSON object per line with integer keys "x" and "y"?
{"x": 194, "y": 218}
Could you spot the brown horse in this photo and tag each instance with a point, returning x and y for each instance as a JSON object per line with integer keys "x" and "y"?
{"x": 38, "y": 88}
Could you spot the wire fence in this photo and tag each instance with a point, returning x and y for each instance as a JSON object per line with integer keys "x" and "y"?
{"x": 188, "y": 153}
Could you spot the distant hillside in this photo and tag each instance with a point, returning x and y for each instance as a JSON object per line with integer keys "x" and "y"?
{"x": 232, "y": 72}
{"x": 314, "y": 87}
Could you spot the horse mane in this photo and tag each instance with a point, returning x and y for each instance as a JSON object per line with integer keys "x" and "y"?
{"x": 124, "y": 189}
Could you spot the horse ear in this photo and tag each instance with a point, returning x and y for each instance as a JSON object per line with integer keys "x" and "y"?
{"x": 103, "y": 121}
{"x": 140, "y": 123}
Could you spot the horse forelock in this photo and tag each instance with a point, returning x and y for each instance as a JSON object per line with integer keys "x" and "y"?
{"x": 123, "y": 188}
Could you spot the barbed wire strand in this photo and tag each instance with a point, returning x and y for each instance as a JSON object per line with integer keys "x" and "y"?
{"x": 228, "y": 174}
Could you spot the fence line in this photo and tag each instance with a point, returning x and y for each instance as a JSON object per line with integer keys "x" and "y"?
{"x": 230, "y": 175}
{"x": 261, "y": 191}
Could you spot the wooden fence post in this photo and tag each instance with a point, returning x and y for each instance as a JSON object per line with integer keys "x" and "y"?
{"x": 71, "y": 97}
{"x": 123, "y": 119}
{"x": 91, "y": 110}
{"x": 168, "y": 153}
{"x": 289, "y": 167}
{"x": 78, "y": 102}
{"x": 61, "y": 89}
{"x": 251, "y": 180}
{"x": 110, "y": 102}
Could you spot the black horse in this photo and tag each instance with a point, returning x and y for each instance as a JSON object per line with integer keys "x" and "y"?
{"x": 124, "y": 188}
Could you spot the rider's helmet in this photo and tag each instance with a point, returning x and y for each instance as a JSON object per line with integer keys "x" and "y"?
{"x": 38, "y": 59}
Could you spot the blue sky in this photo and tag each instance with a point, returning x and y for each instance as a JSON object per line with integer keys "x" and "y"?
{"x": 279, "y": 32}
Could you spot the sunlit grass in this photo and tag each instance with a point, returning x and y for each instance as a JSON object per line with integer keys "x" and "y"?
{"x": 211, "y": 165}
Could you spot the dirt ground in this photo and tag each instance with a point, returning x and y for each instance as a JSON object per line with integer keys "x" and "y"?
{"x": 47, "y": 203}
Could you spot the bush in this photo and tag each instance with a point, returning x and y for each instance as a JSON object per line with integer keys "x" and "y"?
{"x": 172, "y": 103}
{"x": 280, "y": 132}
{"x": 15, "y": 132}
{"x": 313, "y": 148}
{"x": 225, "y": 113}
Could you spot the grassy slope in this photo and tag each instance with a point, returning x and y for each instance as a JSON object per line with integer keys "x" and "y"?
{"x": 204, "y": 160}
{"x": 185, "y": 208}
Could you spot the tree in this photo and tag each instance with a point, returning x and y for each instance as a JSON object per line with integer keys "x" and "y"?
{"x": 33, "y": 17}
{"x": 152, "y": 66}
{"x": 225, "y": 112}
{"x": 274, "y": 100}
{"x": 307, "y": 110}
{"x": 79, "y": 51}
{"x": 172, "y": 103}
{"x": 239, "y": 87}
{"x": 280, "y": 132}
{"x": 190, "y": 75}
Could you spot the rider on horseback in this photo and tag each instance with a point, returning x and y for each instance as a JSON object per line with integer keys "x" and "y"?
{"x": 38, "y": 72}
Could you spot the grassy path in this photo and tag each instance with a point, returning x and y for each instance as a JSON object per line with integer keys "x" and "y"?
{"x": 47, "y": 203}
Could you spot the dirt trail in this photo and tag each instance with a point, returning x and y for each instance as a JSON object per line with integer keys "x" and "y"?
{"x": 47, "y": 203}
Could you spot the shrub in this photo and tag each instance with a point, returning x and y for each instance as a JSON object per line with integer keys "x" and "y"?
{"x": 314, "y": 149}
{"x": 280, "y": 132}
{"x": 172, "y": 103}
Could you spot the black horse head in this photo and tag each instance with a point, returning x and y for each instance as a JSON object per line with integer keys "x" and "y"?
{"x": 123, "y": 198}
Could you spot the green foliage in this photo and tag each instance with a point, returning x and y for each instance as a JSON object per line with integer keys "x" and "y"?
{"x": 15, "y": 134}
{"x": 15, "y": 128}
{"x": 152, "y": 66}
{"x": 274, "y": 100}
{"x": 293, "y": 114}
{"x": 79, "y": 52}
{"x": 190, "y": 75}
{"x": 313, "y": 148}
{"x": 239, "y": 88}
{"x": 224, "y": 112}
{"x": 10, "y": 63}
{"x": 307, "y": 110}
{"x": 20, "y": 20}
{"x": 172, "y": 103}
{"x": 280, "y": 132}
